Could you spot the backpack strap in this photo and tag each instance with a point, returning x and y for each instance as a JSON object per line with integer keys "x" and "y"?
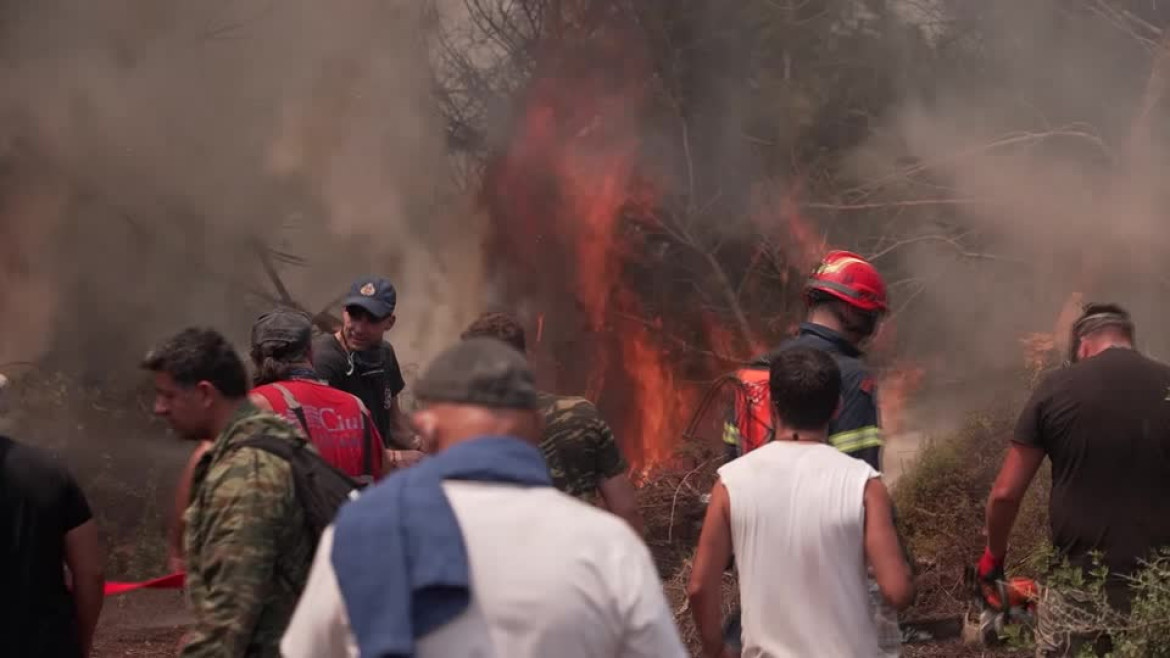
{"x": 295, "y": 406}
{"x": 367, "y": 439}
{"x": 367, "y": 448}
{"x": 282, "y": 449}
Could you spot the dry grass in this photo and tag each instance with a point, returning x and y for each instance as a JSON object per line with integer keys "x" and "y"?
{"x": 940, "y": 502}
{"x": 672, "y": 506}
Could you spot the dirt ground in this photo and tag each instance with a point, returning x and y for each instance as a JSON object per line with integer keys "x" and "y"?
{"x": 143, "y": 624}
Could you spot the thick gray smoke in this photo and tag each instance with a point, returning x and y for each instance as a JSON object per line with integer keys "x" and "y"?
{"x": 146, "y": 145}
{"x": 1045, "y": 161}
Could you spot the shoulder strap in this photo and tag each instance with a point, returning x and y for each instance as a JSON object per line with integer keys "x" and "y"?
{"x": 295, "y": 406}
{"x": 282, "y": 449}
{"x": 367, "y": 437}
{"x": 367, "y": 448}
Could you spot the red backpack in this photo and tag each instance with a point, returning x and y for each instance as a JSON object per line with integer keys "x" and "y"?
{"x": 739, "y": 407}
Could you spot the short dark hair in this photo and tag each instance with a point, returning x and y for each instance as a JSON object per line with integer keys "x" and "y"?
{"x": 1096, "y": 316}
{"x": 500, "y": 326}
{"x": 806, "y": 388}
{"x": 197, "y": 354}
{"x": 853, "y": 319}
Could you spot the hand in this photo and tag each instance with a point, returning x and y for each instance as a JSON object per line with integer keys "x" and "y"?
{"x": 989, "y": 573}
{"x": 990, "y": 569}
{"x": 407, "y": 458}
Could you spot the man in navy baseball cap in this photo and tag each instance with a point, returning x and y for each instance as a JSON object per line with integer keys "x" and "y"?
{"x": 358, "y": 360}
{"x": 375, "y": 295}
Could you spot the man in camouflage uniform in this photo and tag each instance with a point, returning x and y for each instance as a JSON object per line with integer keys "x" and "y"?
{"x": 582, "y": 455}
{"x": 247, "y": 546}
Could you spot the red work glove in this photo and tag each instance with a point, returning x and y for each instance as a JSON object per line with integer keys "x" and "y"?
{"x": 990, "y": 568}
{"x": 990, "y": 572}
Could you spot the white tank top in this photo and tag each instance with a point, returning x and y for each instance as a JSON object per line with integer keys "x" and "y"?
{"x": 797, "y": 530}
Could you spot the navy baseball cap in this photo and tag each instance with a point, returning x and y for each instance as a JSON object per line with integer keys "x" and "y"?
{"x": 374, "y": 294}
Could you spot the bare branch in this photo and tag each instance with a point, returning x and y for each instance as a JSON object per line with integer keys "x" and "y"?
{"x": 679, "y": 341}
{"x": 875, "y": 205}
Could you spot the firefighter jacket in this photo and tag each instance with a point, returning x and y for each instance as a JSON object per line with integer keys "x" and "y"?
{"x": 854, "y": 431}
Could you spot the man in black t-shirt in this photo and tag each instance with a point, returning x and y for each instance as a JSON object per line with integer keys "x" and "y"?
{"x": 1104, "y": 422}
{"x": 359, "y": 361}
{"x": 45, "y": 525}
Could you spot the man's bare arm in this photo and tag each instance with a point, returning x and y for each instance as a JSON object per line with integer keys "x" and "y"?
{"x": 619, "y": 496}
{"x": 175, "y": 559}
{"x": 882, "y": 548}
{"x": 260, "y": 402}
{"x": 1015, "y": 476}
{"x": 706, "y": 585}
{"x": 401, "y": 433}
{"x": 83, "y": 555}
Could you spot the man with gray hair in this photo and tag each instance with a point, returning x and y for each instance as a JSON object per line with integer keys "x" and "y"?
{"x": 472, "y": 551}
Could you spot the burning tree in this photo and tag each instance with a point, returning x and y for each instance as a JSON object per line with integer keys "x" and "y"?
{"x": 660, "y": 174}
{"x": 652, "y": 222}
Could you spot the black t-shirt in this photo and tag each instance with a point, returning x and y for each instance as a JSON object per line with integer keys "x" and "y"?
{"x": 1105, "y": 425}
{"x": 39, "y": 503}
{"x": 372, "y": 375}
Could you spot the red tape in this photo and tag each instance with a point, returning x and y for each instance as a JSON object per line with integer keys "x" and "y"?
{"x": 172, "y": 581}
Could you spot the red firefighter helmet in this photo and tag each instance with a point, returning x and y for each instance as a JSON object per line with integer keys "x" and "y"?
{"x": 850, "y": 278}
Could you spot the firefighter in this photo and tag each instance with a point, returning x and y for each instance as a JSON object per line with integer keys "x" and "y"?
{"x": 846, "y": 299}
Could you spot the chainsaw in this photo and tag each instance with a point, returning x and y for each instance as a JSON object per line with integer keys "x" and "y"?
{"x": 996, "y": 606}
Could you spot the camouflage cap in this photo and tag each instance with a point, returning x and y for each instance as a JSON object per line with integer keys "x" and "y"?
{"x": 479, "y": 371}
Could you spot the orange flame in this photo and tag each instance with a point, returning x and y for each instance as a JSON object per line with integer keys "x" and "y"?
{"x": 652, "y": 390}
{"x": 566, "y": 190}
{"x": 1042, "y": 349}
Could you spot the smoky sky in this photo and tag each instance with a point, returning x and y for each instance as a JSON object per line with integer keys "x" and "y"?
{"x": 146, "y": 146}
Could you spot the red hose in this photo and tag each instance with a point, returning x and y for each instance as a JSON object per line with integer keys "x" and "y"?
{"x": 172, "y": 581}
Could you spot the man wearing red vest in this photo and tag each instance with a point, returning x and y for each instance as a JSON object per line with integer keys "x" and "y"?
{"x": 337, "y": 423}
{"x": 846, "y": 298}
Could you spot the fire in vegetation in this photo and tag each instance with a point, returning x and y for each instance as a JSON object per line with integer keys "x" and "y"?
{"x": 573, "y": 209}
{"x": 579, "y": 219}
{"x": 1043, "y": 349}
{"x": 564, "y": 199}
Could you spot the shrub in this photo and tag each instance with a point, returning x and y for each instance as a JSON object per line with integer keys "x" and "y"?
{"x": 1075, "y": 603}
{"x": 940, "y": 503}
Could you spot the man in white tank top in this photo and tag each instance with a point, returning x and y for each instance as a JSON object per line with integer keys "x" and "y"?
{"x": 802, "y": 520}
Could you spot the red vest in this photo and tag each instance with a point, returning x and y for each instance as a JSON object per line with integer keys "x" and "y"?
{"x": 336, "y": 422}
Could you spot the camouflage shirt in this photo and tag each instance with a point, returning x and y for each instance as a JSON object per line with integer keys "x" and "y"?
{"x": 248, "y": 549}
{"x": 578, "y": 446}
